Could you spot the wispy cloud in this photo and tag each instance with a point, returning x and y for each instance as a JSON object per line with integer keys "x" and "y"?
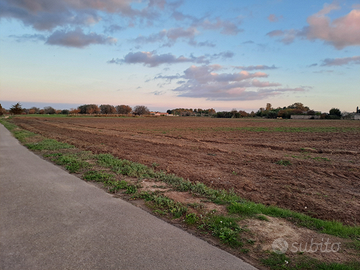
{"x": 49, "y": 14}
{"x": 28, "y": 37}
{"x": 188, "y": 33}
{"x": 158, "y": 93}
{"x": 113, "y": 28}
{"x": 151, "y": 59}
{"x": 77, "y": 39}
{"x": 275, "y": 33}
{"x": 194, "y": 43}
{"x": 223, "y": 55}
{"x": 274, "y": 18}
{"x": 206, "y": 82}
{"x": 341, "y": 61}
{"x": 287, "y": 36}
{"x": 323, "y": 71}
{"x": 340, "y": 33}
{"x": 225, "y": 27}
{"x": 248, "y": 42}
{"x": 258, "y": 67}
{"x": 169, "y": 37}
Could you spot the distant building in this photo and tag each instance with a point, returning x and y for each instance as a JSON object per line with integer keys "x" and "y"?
{"x": 352, "y": 116}
{"x": 357, "y": 114}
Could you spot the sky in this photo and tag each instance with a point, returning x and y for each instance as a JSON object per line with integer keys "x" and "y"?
{"x": 168, "y": 54}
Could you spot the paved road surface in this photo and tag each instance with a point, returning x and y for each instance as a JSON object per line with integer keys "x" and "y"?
{"x": 50, "y": 219}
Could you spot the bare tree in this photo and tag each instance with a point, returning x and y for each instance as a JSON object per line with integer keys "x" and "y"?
{"x": 140, "y": 110}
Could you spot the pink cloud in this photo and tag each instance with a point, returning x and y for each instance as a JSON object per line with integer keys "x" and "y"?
{"x": 151, "y": 59}
{"x": 205, "y": 82}
{"x": 175, "y": 33}
{"x": 77, "y": 39}
{"x": 341, "y": 32}
{"x": 258, "y": 83}
{"x": 274, "y": 18}
{"x": 258, "y": 67}
{"x": 275, "y": 33}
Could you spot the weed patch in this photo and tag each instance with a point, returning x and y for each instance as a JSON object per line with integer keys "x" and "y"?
{"x": 284, "y": 162}
{"x": 124, "y": 167}
{"x": 191, "y": 219}
{"x": 72, "y": 163}
{"x": 163, "y": 203}
{"x": 48, "y": 144}
{"x": 225, "y": 228}
{"x": 97, "y": 176}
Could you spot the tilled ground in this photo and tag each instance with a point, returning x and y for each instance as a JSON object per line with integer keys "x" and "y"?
{"x": 309, "y": 166}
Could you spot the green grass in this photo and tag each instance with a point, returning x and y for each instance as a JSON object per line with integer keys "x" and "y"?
{"x": 42, "y": 115}
{"x": 310, "y": 157}
{"x": 321, "y": 158}
{"x": 261, "y": 217}
{"x": 280, "y": 261}
{"x": 124, "y": 167}
{"x": 72, "y": 163}
{"x": 225, "y": 228}
{"x": 163, "y": 203}
{"x": 354, "y": 245}
{"x": 98, "y": 176}
{"x": 330, "y": 227}
{"x": 191, "y": 218}
{"x": 108, "y": 179}
{"x": 48, "y": 144}
{"x": 284, "y": 162}
{"x": 18, "y": 133}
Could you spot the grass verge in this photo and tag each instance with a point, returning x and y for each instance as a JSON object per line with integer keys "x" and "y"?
{"x": 281, "y": 261}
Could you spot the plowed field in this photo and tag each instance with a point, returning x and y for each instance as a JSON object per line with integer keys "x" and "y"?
{"x": 311, "y": 166}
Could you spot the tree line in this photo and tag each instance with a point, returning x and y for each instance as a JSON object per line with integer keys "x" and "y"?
{"x": 191, "y": 112}
{"x": 266, "y": 112}
{"x": 83, "y": 109}
{"x": 296, "y": 109}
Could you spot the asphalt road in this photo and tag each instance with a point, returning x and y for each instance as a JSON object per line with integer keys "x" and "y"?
{"x": 50, "y": 219}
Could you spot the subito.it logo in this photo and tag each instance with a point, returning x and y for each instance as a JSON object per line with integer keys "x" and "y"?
{"x": 280, "y": 246}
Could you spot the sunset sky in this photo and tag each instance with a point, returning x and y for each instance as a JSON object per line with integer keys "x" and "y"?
{"x": 168, "y": 54}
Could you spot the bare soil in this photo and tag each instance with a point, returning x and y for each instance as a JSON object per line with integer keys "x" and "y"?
{"x": 322, "y": 178}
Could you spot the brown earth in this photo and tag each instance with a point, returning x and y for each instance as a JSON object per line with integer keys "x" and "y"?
{"x": 323, "y": 179}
